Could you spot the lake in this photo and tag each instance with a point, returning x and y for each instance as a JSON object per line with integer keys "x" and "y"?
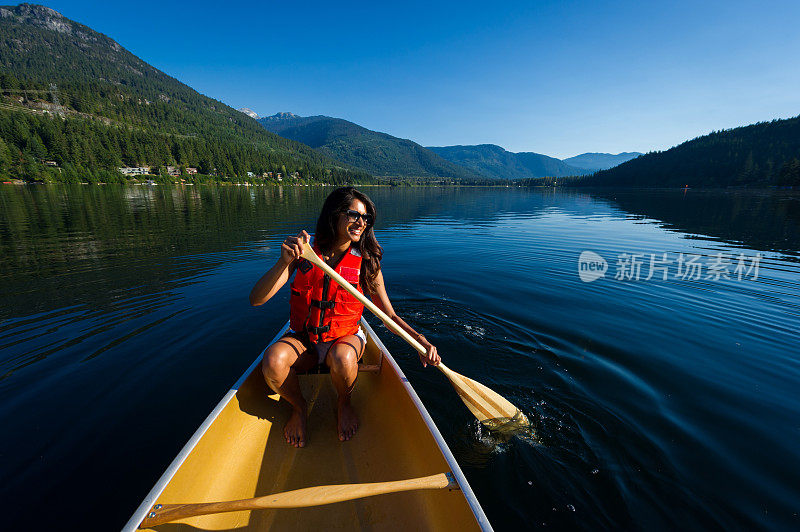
{"x": 650, "y": 336}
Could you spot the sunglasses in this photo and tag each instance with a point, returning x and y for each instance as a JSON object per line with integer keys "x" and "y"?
{"x": 354, "y": 216}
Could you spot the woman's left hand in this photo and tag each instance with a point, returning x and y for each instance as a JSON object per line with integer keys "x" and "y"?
{"x": 431, "y": 356}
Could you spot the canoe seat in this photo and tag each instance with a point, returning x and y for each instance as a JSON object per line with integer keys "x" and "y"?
{"x": 321, "y": 369}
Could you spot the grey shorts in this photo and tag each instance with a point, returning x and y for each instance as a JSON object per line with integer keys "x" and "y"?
{"x": 323, "y": 347}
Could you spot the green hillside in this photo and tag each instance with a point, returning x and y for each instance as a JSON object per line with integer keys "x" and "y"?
{"x": 763, "y": 154}
{"x": 493, "y": 161}
{"x": 75, "y": 97}
{"x": 378, "y": 153}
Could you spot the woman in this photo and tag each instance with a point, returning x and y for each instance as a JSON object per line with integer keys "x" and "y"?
{"x": 324, "y": 319}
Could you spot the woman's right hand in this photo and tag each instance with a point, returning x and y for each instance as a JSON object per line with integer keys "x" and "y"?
{"x": 291, "y": 249}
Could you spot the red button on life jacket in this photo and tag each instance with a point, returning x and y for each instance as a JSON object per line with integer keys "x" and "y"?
{"x": 319, "y": 306}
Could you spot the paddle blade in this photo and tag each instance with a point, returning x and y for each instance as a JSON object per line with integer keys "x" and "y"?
{"x": 489, "y": 407}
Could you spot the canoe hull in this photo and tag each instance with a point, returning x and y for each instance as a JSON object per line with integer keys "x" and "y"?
{"x": 242, "y": 454}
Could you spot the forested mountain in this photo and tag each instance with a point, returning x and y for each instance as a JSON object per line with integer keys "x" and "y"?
{"x": 378, "y": 153}
{"x": 600, "y": 161}
{"x": 495, "y": 162}
{"x": 76, "y": 98}
{"x": 763, "y": 154}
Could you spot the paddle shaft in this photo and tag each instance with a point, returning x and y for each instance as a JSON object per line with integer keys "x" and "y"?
{"x": 316, "y": 496}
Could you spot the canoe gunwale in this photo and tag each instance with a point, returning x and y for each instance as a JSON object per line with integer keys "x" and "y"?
{"x": 386, "y": 358}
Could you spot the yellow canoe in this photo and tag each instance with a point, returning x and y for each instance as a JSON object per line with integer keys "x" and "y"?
{"x": 239, "y": 452}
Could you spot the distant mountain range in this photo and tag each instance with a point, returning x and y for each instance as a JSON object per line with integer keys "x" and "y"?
{"x": 763, "y": 154}
{"x": 600, "y": 161}
{"x": 378, "y": 153}
{"x": 386, "y": 155}
{"x": 497, "y": 163}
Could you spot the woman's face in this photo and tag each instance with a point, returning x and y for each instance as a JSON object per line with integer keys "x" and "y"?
{"x": 352, "y": 230}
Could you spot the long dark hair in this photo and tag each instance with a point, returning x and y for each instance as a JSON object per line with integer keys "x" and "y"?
{"x": 336, "y": 204}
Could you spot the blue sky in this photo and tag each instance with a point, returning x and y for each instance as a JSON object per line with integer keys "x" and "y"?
{"x": 558, "y": 78}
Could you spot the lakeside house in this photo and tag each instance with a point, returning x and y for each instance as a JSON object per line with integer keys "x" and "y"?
{"x": 191, "y": 170}
{"x": 134, "y": 170}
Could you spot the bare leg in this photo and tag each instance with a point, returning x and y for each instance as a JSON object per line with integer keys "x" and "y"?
{"x": 278, "y": 368}
{"x": 342, "y": 358}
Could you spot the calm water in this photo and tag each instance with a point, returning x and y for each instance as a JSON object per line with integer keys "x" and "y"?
{"x": 658, "y": 404}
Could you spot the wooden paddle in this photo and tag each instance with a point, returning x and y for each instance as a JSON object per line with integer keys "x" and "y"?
{"x": 316, "y": 496}
{"x": 491, "y": 408}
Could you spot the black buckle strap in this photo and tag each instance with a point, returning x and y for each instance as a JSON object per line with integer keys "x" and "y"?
{"x": 322, "y": 304}
{"x": 326, "y": 283}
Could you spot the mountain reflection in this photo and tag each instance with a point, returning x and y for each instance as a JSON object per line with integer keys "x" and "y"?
{"x": 761, "y": 220}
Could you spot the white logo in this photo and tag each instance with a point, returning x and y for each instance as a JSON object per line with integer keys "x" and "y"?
{"x": 591, "y": 266}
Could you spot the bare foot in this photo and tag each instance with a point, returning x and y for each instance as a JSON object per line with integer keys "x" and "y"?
{"x": 348, "y": 421}
{"x": 295, "y": 429}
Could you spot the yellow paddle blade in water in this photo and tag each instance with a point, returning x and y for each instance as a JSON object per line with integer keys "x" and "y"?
{"x": 488, "y": 406}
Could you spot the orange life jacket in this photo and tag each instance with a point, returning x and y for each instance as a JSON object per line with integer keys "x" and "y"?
{"x": 319, "y": 306}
